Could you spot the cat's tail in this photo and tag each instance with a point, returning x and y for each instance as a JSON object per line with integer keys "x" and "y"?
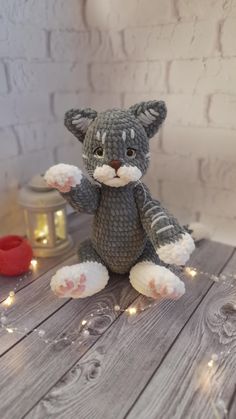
{"x": 199, "y": 231}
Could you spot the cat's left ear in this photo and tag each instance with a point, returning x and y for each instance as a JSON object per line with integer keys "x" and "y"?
{"x": 78, "y": 120}
{"x": 151, "y": 114}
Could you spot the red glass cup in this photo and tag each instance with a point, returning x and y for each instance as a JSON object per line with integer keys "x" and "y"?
{"x": 15, "y": 255}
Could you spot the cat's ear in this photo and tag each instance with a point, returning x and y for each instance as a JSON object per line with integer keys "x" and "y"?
{"x": 151, "y": 114}
{"x": 78, "y": 120}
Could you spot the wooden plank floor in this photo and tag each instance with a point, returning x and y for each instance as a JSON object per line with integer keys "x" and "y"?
{"x": 151, "y": 365}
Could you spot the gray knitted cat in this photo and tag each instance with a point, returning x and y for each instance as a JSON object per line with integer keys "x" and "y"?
{"x": 132, "y": 232}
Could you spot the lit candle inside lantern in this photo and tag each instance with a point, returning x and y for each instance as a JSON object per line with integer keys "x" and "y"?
{"x": 45, "y": 218}
{"x": 41, "y": 231}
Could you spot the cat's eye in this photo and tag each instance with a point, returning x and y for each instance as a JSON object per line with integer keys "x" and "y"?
{"x": 98, "y": 152}
{"x": 131, "y": 152}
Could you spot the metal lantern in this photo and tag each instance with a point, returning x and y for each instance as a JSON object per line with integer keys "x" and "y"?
{"x": 45, "y": 218}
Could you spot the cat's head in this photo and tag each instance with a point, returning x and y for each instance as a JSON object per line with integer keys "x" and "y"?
{"x": 116, "y": 142}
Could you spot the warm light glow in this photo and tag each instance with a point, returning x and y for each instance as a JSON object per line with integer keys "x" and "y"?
{"x": 84, "y": 322}
{"x": 41, "y": 231}
{"x": 9, "y": 330}
{"x": 190, "y": 271}
{"x": 9, "y": 300}
{"x": 210, "y": 363}
{"x": 34, "y": 263}
{"x": 60, "y": 225}
{"x": 132, "y": 310}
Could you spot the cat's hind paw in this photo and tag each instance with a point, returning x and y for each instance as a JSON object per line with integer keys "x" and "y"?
{"x": 156, "y": 281}
{"x": 79, "y": 281}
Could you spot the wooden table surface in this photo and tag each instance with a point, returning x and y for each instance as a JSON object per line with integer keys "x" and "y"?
{"x": 154, "y": 364}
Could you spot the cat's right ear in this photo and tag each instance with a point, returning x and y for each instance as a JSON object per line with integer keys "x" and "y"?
{"x": 77, "y": 121}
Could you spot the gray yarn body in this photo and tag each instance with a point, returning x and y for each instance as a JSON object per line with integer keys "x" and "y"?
{"x": 122, "y": 233}
{"x": 118, "y": 236}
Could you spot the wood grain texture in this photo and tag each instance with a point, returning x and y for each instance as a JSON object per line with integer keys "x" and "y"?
{"x": 32, "y": 306}
{"x": 232, "y": 408}
{"x": 31, "y": 368}
{"x": 111, "y": 375}
{"x": 185, "y": 386}
{"x": 79, "y": 228}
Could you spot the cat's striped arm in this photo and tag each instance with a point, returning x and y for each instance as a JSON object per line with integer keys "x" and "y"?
{"x": 79, "y": 192}
{"x": 172, "y": 242}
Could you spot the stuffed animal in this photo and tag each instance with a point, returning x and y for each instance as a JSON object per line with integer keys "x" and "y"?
{"x": 132, "y": 233}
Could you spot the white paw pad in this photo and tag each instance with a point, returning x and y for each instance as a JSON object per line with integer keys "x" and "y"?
{"x": 177, "y": 253}
{"x": 156, "y": 281}
{"x": 63, "y": 177}
{"x": 79, "y": 281}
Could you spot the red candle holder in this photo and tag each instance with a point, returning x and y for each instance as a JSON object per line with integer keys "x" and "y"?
{"x": 15, "y": 255}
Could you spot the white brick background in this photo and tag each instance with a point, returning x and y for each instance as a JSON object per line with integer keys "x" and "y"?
{"x": 56, "y": 54}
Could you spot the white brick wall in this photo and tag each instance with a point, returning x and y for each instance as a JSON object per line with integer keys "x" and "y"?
{"x": 56, "y": 54}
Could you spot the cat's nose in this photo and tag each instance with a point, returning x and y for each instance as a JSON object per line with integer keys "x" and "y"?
{"x": 115, "y": 164}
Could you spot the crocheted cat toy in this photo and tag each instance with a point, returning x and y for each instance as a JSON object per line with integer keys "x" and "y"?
{"x": 131, "y": 232}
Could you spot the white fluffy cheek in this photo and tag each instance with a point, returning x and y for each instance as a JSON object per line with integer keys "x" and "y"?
{"x": 107, "y": 175}
{"x": 104, "y": 173}
{"x": 129, "y": 173}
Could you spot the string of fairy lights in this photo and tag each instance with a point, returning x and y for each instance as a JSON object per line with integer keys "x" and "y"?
{"x": 131, "y": 311}
{"x": 85, "y": 328}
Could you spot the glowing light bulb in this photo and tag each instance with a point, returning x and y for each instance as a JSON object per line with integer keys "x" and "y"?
{"x": 9, "y": 300}
{"x": 132, "y": 310}
{"x": 9, "y": 330}
{"x": 116, "y": 307}
{"x": 190, "y": 271}
{"x": 34, "y": 263}
{"x": 84, "y": 322}
{"x": 210, "y": 363}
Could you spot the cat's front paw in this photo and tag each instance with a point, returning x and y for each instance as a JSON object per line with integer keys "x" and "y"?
{"x": 63, "y": 177}
{"x": 177, "y": 253}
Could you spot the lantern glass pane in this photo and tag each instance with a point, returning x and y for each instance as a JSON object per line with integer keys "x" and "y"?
{"x": 27, "y": 223}
{"x": 60, "y": 225}
{"x": 41, "y": 229}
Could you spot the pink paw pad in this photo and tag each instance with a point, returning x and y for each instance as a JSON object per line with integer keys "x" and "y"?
{"x": 166, "y": 291}
{"x": 64, "y": 289}
{"x": 76, "y": 292}
{"x": 67, "y": 185}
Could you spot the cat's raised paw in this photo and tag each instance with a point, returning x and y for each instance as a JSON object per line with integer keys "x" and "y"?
{"x": 63, "y": 177}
